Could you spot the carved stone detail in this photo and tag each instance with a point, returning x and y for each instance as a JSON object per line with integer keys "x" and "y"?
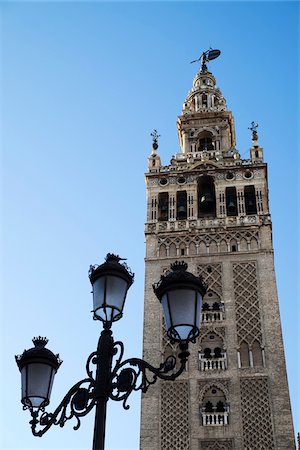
{"x": 174, "y": 416}
{"x": 247, "y": 309}
{"x": 223, "y": 385}
{"x": 256, "y": 414}
{"x": 212, "y": 276}
{"x": 220, "y": 444}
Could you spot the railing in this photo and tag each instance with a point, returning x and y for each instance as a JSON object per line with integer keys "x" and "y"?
{"x": 215, "y": 418}
{"x": 212, "y": 316}
{"x": 212, "y": 363}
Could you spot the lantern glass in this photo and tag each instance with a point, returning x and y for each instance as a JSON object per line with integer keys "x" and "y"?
{"x": 37, "y": 381}
{"x": 182, "y": 312}
{"x": 109, "y": 294}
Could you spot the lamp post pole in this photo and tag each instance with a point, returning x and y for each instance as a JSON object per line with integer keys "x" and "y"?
{"x": 103, "y": 374}
{"x": 112, "y": 377}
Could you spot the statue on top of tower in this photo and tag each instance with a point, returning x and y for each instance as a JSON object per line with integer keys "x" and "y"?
{"x": 209, "y": 55}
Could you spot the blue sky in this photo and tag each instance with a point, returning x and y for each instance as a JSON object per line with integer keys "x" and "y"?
{"x": 83, "y": 86}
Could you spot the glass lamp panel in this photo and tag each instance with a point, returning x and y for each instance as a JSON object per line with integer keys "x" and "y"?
{"x": 109, "y": 297}
{"x": 165, "y": 306}
{"x": 198, "y": 310}
{"x": 23, "y": 381}
{"x": 98, "y": 293}
{"x": 116, "y": 292}
{"x": 183, "y": 310}
{"x": 39, "y": 378}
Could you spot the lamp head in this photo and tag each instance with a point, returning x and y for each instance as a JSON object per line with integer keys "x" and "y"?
{"x": 110, "y": 281}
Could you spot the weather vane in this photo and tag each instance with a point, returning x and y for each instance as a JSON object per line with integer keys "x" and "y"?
{"x": 209, "y": 55}
{"x": 253, "y": 128}
{"x": 155, "y": 137}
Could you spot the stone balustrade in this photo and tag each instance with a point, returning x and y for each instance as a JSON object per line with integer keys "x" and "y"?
{"x": 212, "y": 316}
{"x": 212, "y": 363}
{"x": 215, "y": 418}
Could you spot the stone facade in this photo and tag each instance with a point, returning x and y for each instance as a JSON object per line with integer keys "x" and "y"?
{"x": 210, "y": 208}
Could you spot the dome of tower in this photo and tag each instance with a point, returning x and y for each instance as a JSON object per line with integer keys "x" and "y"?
{"x": 204, "y": 95}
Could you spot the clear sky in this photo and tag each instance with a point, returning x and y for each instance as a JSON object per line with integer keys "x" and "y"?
{"x": 83, "y": 85}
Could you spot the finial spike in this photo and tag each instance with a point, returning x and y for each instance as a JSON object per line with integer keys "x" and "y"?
{"x": 253, "y": 128}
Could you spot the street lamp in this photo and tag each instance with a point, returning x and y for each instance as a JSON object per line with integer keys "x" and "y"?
{"x": 180, "y": 294}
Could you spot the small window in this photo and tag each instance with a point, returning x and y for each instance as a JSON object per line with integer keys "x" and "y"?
{"x": 250, "y": 200}
{"x": 231, "y": 202}
{"x": 248, "y": 174}
{"x": 182, "y": 252}
{"x": 233, "y": 248}
{"x": 163, "y": 204}
{"x": 163, "y": 181}
{"x": 206, "y": 144}
{"x": 229, "y": 176}
{"x": 181, "y": 205}
{"x": 181, "y": 180}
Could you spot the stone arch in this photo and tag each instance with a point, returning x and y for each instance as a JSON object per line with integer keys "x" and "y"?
{"x": 162, "y": 251}
{"x": 182, "y": 249}
{"x": 253, "y": 244}
{"x": 211, "y": 385}
{"x": 243, "y": 245}
{"x": 223, "y": 246}
{"x": 202, "y": 247}
{"x": 257, "y": 354}
{"x": 192, "y": 249}
{"x": 233, "y": 245}
{"x": 213, "y": 247}
{"x": 244, "y": 354}
{"x": 173, "y": 250}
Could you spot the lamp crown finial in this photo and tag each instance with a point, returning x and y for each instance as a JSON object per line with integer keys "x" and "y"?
{"x": 40, "y": 342}
{"x": 179, "y": 265}
{"x": 111, "y": 257}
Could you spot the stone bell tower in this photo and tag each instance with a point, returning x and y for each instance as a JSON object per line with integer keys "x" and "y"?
{"x": 210, "y": 208}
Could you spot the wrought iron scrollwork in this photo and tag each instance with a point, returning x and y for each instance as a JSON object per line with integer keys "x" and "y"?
{"x": 118, "y": 383}
{"x": 77, "y": 403}
{"x": 135, "y": 374}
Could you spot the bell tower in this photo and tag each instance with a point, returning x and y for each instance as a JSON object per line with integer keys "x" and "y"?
{"x": 210, "y": 208}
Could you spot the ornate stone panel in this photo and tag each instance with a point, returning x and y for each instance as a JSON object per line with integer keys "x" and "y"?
{"x": 212, "y": 276}
{"x": 203, "y": 243}
{"x": 203, "y": 385}
{"x": 174, "y": 417}
{"x": 256, "y": 414}
{"x": 223, "y": 444}
{"x": 247, "y": 310}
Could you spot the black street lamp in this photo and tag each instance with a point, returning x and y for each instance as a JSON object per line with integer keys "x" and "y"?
{"x": 180, "y": 294}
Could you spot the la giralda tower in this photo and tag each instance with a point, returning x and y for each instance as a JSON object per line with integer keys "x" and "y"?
{"x": 210, "y": 208}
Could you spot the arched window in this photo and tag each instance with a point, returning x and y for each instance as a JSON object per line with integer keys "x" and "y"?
{"x": 231, "y": 202}
{"x": 205, "y": 141}
{"x": 212, "y": 308}
{"x": 244, "y": 355}
{"x": 163, "y": 203}
{"x": 204, "y": 100}
{"x": 250, "y": 201}
{"x": 214, "y": 408}
{"x": 257, "y": 354}
{"x": 181, "y": 205}
{"x": 206, "y": 197}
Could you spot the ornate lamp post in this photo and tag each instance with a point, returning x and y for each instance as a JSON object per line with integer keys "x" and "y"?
{"x": 180, "y": 294}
